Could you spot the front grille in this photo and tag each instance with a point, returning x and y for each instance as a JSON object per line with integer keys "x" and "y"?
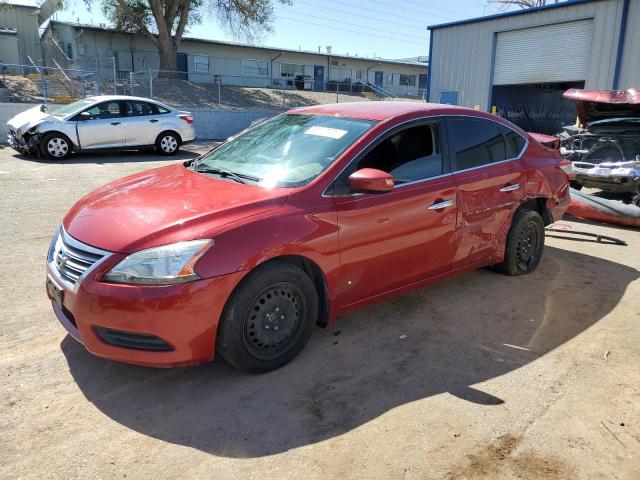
{"x": 137, "y": 341}
{"x": 71, "y": 258}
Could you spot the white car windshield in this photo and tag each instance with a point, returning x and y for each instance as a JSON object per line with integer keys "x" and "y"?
{"x": 285, "y": 151}
{"x": 63, "y": 110}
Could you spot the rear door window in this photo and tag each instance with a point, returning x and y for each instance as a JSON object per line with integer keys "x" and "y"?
{"x": 476, "y": 142}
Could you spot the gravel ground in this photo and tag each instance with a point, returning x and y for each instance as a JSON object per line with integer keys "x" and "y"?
{"x": 480, "y": 376}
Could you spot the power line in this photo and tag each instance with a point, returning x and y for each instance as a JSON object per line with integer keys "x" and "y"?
{"x": 428, "y": 5}
{"x": 348, "y": 23}
{"x": 368, "y": 34}
{"x": 405, "y": 8}
{"x": 381, "y": 12}
{"x": 377, "y": 19}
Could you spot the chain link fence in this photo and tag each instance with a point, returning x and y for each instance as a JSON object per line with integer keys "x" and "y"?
{"x": 35, "y": 82}
{"x": 252, "y": 91}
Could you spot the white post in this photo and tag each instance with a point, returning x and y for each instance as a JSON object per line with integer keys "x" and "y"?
{"x": 150, "y": 84}
{"x": 115, "y": 88}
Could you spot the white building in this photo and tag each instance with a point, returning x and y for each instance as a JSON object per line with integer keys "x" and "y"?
{"x": 233, "y": 64}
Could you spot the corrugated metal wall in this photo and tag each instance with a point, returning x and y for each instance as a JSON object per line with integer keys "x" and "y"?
{"x": 462, "y": 55}
{"x": 630, "y": 71}
{"x": 25, "y": 21}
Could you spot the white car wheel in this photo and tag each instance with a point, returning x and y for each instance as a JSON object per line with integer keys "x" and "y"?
{"x": 57, "y": 147}
{"x": 168, "y": 144}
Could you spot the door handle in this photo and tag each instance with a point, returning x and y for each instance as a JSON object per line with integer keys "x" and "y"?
{"x": 510, "y": 188}
{"x": 153, "y": 120}
{"x": 439, "y": 205}
{"x": 115, "y": 123}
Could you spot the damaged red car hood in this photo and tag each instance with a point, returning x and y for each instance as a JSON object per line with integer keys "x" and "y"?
{"x": 592, "y": 105}
{"x": 162, "y": 206}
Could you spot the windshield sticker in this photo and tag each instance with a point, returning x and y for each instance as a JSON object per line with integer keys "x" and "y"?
{"x": 334, "y": 133}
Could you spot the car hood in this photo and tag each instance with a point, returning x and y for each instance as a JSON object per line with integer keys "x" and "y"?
{"x": 163, "y": 206}
{"x": 30, "y": 118}
{"x": 594, "y": 105}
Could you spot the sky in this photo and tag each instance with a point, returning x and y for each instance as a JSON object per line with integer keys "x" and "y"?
{"x": 368, "y": 28}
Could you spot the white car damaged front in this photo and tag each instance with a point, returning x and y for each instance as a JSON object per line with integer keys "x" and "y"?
{"x": 26, "y": 128}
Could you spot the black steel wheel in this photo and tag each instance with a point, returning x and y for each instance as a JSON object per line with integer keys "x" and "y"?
{"x": 525, "y": 244}
{"x": 274, "y": 320}
{"x": 268, "y": 319}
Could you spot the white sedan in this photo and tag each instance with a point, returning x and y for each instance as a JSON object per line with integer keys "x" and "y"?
{"x": 101, "y": 122}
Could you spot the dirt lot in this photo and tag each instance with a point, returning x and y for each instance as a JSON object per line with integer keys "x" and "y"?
{"x": 481, "y": 376}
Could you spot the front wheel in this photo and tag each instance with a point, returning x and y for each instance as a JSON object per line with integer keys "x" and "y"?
{"x": 268, "y": 319}
{"x": 167, "y": 143}
{"x": 55, "y": 146}
{"x": 525, "y": 243}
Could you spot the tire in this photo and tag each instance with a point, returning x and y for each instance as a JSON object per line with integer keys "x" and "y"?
{"x": 56, "y": 146}
{"x": 168, "y": 143}
{"x": 525, "y": 244}
{"x": 268, "y": 319}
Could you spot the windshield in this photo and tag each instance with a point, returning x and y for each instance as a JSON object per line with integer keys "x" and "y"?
{"x": 63, "y": 110}
{"x": 286, "y": 151}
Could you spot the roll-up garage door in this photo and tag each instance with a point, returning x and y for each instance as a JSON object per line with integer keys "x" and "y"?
{"x": 547, "y": 54}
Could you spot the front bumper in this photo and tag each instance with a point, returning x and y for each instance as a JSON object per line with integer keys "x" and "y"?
{"x": 20, "y": 145}
{"x": 184, "y": 316}
{"x": 621, "y": 177}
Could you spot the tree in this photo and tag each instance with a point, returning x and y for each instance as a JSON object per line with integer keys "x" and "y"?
{"x": 523, "y": 3}
{"x": 164, "y": 22}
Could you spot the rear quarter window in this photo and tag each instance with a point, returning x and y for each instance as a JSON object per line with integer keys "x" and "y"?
{"x": 476, "y": 142}
{"x": 514, "y": 142}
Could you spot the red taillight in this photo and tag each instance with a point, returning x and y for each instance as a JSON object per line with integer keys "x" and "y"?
{"x": 187, "y": 118}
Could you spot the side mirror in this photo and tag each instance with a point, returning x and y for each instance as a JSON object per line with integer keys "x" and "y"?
{"x": 371, "y": 180}
{"x": 85, "y": 116}
{"x": 44, "y": 108}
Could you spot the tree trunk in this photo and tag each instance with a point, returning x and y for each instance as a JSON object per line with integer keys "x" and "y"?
{"x": 168, "y": 55}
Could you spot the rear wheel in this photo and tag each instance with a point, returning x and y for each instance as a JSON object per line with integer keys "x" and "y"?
{"x": 168, "y": 143}
{"x": 525, "y": 244}
{"x": 55, "y": 146}
{"x": 268, "y": 319}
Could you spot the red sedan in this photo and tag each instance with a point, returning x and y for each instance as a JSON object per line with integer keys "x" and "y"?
{"x": 289, "y": 224}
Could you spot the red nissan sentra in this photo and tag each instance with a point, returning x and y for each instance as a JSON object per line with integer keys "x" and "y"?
{"x": 317, "y": 211}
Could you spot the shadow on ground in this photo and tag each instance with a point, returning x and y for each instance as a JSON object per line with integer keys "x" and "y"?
{"x": 110, "y": 156}
{"x": 443, "y": 338}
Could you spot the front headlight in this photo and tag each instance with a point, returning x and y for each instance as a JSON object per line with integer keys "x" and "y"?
{"x": 164, "y": 265}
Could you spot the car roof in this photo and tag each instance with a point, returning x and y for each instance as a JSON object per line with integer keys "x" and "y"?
{"x": 101, "y": 98}
{"x": 383, "y": 110}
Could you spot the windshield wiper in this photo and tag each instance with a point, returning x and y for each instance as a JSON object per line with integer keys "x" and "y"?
{"x": 240, "y": 178}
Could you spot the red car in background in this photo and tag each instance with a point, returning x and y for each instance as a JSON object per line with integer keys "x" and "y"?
{"x": 293, "y": 222}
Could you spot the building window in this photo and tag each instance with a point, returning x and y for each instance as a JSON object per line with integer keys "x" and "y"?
{"x": 408, "y": 80}
{"x": 388, "y": 78}
{"x": 358, "y": 74}
{"x": 258, "y": 68}
{"x": 290, "y": 70}
{"x": 201, "y": 63}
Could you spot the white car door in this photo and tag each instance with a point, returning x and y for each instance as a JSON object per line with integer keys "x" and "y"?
{"x": 142, "y": 126}
{"x": 105, "y": 128}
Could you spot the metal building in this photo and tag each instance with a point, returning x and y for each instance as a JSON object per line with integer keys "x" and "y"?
{"x": 19, "y": 23}
{"x": 531, "y": 56}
